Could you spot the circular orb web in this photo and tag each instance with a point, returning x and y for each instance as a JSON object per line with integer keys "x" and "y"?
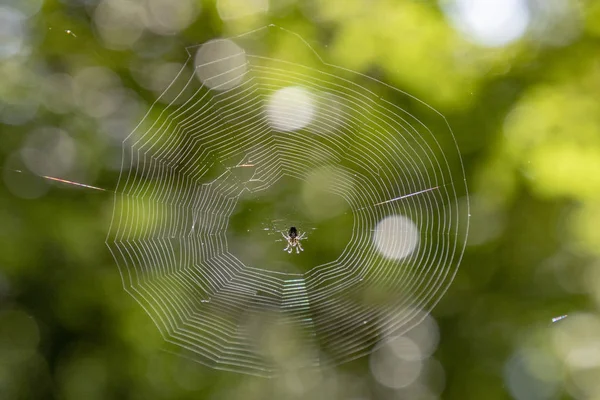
{"x": 249, "y": 142}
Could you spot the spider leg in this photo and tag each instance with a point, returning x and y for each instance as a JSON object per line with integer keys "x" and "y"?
{"x": 300, "y": 247}
{"x": 301, "y": 236}
{"x": 287, "y": 238}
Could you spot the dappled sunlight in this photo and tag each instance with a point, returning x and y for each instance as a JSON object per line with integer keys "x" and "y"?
{"x": 158, "y": 157}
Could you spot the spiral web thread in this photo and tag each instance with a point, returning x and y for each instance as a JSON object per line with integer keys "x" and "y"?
{"x": 180, "y": 183}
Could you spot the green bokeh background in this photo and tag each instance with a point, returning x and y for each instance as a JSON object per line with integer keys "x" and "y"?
{"x": 526, "y": 116}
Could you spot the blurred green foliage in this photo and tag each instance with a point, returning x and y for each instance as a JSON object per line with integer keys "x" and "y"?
{"x": 526, "y": 116}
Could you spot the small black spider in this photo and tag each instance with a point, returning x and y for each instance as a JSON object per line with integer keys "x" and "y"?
{"x": 293, "y": 240}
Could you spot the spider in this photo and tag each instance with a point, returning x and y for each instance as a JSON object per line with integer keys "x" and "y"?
{"x": 293, "y": 240}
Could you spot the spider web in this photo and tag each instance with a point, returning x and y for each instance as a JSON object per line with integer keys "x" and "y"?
{"x": 372, "y": 174}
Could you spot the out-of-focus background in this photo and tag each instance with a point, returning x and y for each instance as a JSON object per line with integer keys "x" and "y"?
{"x": 517, "y": 80}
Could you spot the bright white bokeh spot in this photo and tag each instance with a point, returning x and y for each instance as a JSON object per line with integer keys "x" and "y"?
{"x": 220, "y": 64}
{"x": 234, "y": 9}
{"x": 492, "y": 23}
{"x": 290, "y": 109}
{"x": 396, "y": 237}
{"x": 397, "y": 363}
{"x": 12, "y": 31}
